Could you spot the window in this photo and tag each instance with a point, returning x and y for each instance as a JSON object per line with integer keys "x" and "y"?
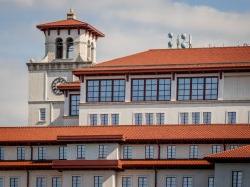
{"x": 76, "y": 181}
{"x": 206, "y": 117}
{"x": 20, "y": 153}
{"x": 195, "y": 117}
{"x": 149, "y": 118}
{"x": 138, "y": 118}
{"x": 197, "y": 88}
{"x": 56, "y": 182}
{"x": 233, "y": 146}
{"x": 151, "y": 89}
{"x": 236, "y": 178}
{"x": 1, "y": 182}
{"x": 70, "y": 48}
{"x": 127, "y": 152}
{"x": 103, "y": 152}
{"x": 184, "y": 118}
{"x": 105, "y": 90}
{"x": 80, "y": 151}
{"x": 104, "y": 119}
{"x": 171, "y": 152}
{"x": 170, "y": 181}
{"x": 14, "y": 182}
{"x": 160, "y": 118}
{"x": 59, "y": 48}
{"x": 42, "y": 114}
{"x": 149, "y": 151}
{"x": 193, "y": 151}
{"x": 1, "y": 153}
{"x": 231, "y": 117}
{"x": 93, "y": 119}
{"x": 98, "y": 181}
{"x": 41, "y": 153}
{"x": 210, "y": 181}
{"x": 187, "y": 182}
{"x": 40, "y": 182}
{"x": 115, "y": 119}
{"x": 74, "y": 104}
{"x": 63, "y": 152}
{"x": 142, "y": 182}
{"x": 126, "y": 182}
{"x": 216, "y": 149}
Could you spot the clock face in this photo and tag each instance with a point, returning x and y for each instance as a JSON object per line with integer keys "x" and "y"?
{"x": 54, "y": 85}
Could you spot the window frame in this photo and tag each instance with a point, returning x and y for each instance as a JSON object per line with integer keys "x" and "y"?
{"x": 196, "y": 118}
{"x": 236, "y": 183}
{"x": 42, "y": 114}
{"x": 208, "y": 181}
{"x": 128, "y": 181}
{"x": 59, "y": 55}
{"x": 94, "y": 119}
{"x": 69, "y": 44}
{"x": 144, "y": 181}
{"x": 193, "y": 152}
{"x": 62, "y": 152}
{"x": 98, "y": 181}
{"x": 115, "y": 119}
{"x": 102, "y": 151}
{"x": 149, "y": 118}
{"x": 233, "y": 117}
{"x": 76, "y": 181}
{"x": 171, "y": 182}
{"x": 15, "y": 180}
{"x": 41, "y": 153}
{"x": 187, "y": 177}
{"x": 70, "y": 104}
{"x": 186, "y": 118}
{"x": 41, "y": 181}
{"x": 80, "y": 152}
{"x": 171, "y": 152}
{"x": 149, "y": 151}
{"x": 20, "y": 155}
{"x": 160, "y": 118}
{"x": 104, "y": 119}
{"x": 2, "y": 153}
{"x": 56, "y": 183}
{"x": 127, "y": 152}
{"x": 206, "y": 116}
{"x": 138, "y": 118}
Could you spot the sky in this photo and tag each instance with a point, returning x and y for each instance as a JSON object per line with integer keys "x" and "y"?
{"x": 129, "y": 25}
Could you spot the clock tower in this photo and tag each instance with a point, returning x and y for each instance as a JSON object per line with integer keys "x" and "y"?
{"x": 69, "y": 44}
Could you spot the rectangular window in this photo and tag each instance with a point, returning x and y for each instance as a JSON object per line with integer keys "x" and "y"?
{"x": 93, "y": 119}
{"x": 193, "y": 151}
{"x": 184, "y": 118}
{"x": 138, "y": 118}
{"x": 41, "y": 153}
{"x": 76, "y": 181}
{"x": 197, "y": 88}
{"x": 233, "y": 146}
{"x": 151, "y": 89}
{"x": 74, "y": 104}
{"x": 187, "y": 182}
{"x": 171, "y": 152}
{"x": 104, "y": 119}
{"x": 20, "y": 153}
{"x": 142, "y": 182}
{"x": 56, "y": 182}
{"x": 206, "y": 117}
{"x": 103, "y": 151}
{"x": 40, "y": 182}
{"x": 170, "y": 181}
{"x": 195, "y": 117}
{"x": 115, "y": 119}
{"x": 62, "y": 152}
{"x": 149, "y": 151}
{"x": 210, "y": 181}
{"x": 126, "y": 182}
{"x": 127, "y": 152}
{"x": 98, "y": 180}
{"x": 160, "y": 118}
{"x": 1, "y": 153}
{"x": 80, "y": 151}
{"x": 105, "y": 90}
{"x": 42, "y": 114}
{"x": 216, "y": 148}
{"x": 237, "y": 179}
{"x": 1, "y": 182}
{"x": 231, "y": 117}
{"x": 149, "y": 118}
{"x": 14, "y": 182}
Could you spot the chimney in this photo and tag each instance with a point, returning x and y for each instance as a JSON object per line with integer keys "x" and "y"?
{"x": 71, "y": 14}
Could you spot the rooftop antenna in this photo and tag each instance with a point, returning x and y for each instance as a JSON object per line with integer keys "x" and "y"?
{"x": 181, "y": 41}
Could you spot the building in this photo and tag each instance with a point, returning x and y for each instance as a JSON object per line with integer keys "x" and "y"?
{"x": 159, "y": 118}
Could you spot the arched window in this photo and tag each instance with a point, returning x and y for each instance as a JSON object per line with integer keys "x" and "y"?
{"x": 92, "y": 51}
{"x": 88, "y": 50}
{"x": 70, "y": 48}
{"x": 59, "y": 48}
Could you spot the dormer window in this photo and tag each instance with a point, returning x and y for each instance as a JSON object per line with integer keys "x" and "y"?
{"x": 59, "y": 48}
{"x": 70, "y": 48}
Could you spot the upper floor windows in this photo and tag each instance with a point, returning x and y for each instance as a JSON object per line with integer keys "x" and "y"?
{"x": 14, "y": 182}
{"x": 183, "y": 118}
{"x": 105, "y": 90}
{"x": 197, "y": 88}
{"x": 76, "y": 181}
{"x": 103, "y": 151}
{"x": 206, "y": 117}
{"x": 80, "y": 151}
{"x": 127, "y": 152}
{"x": 1, "y": 153}
{"x": 138, "y": 118}
{"x": 142, "y": 182}
{"x": 40, "y": 182}
{"x": 59, "y": 48}
{"x": 115, "y": 119}
{"x": 171, "y": 152}
{"x": 98, "y": 180}
{"x": 126, "y": 182}
{"x": 237, "y": 179}
{"x": 171, "y": 182}
{"x": 42, "y": 114}
{"x": 56, "y": 182}
{"x": 62, "y": 152}
{"x": 149, "y": 151}
{"x": 20, "y": 153}
{"x": 151, "y": 89}
{"x": 41, "y": 153}
{"x": 193, "y": 151}
{"x": 70, "y": 48}
{"x": 231, "y": 117}
{"x": 74, "y": 104}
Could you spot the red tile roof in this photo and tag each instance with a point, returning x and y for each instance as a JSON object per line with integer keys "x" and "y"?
{"x": 70, "y": 24}
{"x": 131, "y": 134}
{"x": 20, "y": 165}
{"x": 174, "y": 60}
{"x": 69, "y": 86}
{"x": 241, "y": 154}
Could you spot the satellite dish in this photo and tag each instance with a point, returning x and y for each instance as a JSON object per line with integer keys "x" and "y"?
{"x": 170, "y": 35}
{"x": 183, "y": 45}
{"x": 170, "y": 44}
{"x": 183, "y": 36}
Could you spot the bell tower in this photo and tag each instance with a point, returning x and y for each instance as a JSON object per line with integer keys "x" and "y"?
{"x": 69, "y": 44}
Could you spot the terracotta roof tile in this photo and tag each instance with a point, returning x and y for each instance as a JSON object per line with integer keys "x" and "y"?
{"x": 24, "y": 165}
{"x": 69, "y": 86}
{"x": 163, "y": 133}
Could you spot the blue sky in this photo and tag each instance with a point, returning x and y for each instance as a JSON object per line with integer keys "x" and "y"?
{"x": 130, "y": 26}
